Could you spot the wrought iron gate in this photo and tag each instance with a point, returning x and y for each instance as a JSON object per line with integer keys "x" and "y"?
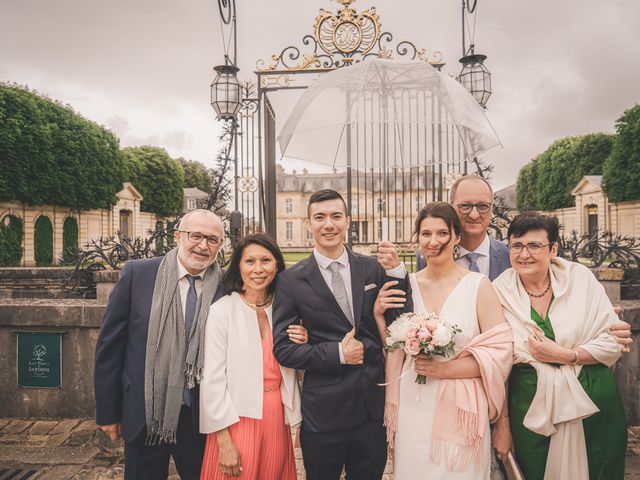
{"x": 382, "y": 202}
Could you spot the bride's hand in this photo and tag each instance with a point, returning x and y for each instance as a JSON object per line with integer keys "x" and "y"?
{"x": 501, "y": 438}
{"x": 429, "y": 367}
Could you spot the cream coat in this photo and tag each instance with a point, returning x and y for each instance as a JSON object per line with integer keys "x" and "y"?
{"x": 232, "y": 378}
{"x": 581, "y": 315}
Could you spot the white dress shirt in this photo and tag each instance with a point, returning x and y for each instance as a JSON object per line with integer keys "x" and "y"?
{"x": 183, "y": 284}
{"x": 483, "y": 259}
{"x": 345, "y": 273}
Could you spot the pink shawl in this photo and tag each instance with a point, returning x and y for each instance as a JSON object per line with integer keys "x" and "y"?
{"x": 465, "y": 406}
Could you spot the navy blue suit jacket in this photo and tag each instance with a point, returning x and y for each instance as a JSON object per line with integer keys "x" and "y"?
{"x": 335, "y": 397}
{"x": 121, "y": 350}
{"x": 498, "y": 262}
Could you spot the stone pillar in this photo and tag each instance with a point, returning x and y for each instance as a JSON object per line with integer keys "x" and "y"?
{"x": 627, "y": 369}
{"x": 610, "y": 278}
{"x": 105, "y": 281}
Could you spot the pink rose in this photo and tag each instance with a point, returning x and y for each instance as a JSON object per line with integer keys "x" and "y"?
{"x": 424, "y": 334}
{"x": 412, "y": 347}
{"x": 431, "y": 325}
{"x": 412, "y": 332}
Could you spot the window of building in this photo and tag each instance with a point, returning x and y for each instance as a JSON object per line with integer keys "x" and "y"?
{"x": 381, "y": 204}
{"x": 289, "y": 230}
{"x": 288, "y": 205}
{"x": 192, "y": 204}
{"x": 399, "y": 204}
{"x": 379, "y": 230}
{"x": 399, "y": 231}
{"x": 355, "y": 231}
{"x": 365, "y": 231}
{"x": 418, "y": 203}
{"x": 309, "y": 235}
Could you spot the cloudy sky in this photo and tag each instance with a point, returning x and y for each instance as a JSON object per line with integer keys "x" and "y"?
{"x": 143, "y": 67}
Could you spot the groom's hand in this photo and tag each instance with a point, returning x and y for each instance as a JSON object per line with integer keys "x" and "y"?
{"x": 352, "y": 349}
{"x": 388, "y": 255}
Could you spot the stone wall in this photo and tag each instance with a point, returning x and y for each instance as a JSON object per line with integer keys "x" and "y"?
{"x": 80, "y": 321}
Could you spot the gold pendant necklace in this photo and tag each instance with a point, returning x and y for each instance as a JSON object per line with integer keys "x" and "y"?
{"x": 255, "y": 306}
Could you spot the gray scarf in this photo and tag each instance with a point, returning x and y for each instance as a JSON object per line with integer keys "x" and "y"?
{"x": 170, "y": 359}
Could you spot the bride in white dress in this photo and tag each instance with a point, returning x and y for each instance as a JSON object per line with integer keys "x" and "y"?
{"x": 459, "y": 297}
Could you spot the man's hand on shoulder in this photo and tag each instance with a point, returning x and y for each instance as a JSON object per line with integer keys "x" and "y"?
{"x": 112, "y": 431}
{"x": 621, "y": 331}
{"x": 352, "y": 349}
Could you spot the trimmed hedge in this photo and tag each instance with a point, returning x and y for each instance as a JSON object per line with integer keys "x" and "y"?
{"x": 43, "y": 241}
{"x": 11, "y": 234}
{"x": 50, "y": 155}
{"x": 69, "y": 240}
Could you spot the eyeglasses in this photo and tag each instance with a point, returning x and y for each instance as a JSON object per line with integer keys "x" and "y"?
{"x": 466, "y": 208}
{"x": 532, "y": 247}
{"x": 196, "y": 237}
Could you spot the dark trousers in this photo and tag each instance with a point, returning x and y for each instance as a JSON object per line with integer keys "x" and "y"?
{"x": 151, "y": 462}
{"x": 362, "y": 451}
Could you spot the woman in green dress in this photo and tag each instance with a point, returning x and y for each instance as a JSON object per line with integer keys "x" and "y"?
{"x": 565, "y": 418}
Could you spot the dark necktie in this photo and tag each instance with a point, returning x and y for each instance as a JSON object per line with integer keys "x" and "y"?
{"x": 189, "y": 313}
{"x": 473, "y": 257}
{"x": 190, "y": 306}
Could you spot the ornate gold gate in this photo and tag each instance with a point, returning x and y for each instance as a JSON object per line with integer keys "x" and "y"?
{"x": 382, "y": 203}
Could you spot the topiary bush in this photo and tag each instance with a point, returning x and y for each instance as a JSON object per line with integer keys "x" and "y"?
{"x": 11, "y": 234}
{"x": 69, "y": 240}
{"x": 43, "y": 241}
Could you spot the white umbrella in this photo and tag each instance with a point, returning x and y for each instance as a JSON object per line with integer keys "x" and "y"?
{"x": 396, "y": 101}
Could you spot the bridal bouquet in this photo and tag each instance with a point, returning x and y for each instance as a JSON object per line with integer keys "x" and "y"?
{"x": 421, "y": 333}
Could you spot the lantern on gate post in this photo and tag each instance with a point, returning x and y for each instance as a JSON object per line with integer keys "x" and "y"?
{"x": 226, "y": 92}
{"x": 474, "y": 76}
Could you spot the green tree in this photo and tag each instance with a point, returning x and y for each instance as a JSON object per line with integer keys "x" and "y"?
{"x": 51, "y": 155}
{"x": 158, "y": 177}
{"x": 526, "y": 187}
{"x": 197, "y": 175}
{"x": 553, "y": 166}
{"x": 621, "y": 175}
{"x": 553, "y": 174}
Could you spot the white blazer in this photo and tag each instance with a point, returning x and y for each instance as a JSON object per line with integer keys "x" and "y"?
{"x": 232, "y": 379}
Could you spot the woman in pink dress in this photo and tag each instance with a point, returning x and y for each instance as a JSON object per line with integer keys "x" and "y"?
{"x": 248, "y": 402}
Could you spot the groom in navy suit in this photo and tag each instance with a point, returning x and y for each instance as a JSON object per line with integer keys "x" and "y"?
{"x": 333, "y": 292}
{"x": 122, "y": 363}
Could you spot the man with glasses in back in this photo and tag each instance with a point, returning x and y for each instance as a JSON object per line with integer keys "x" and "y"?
{"x": 472, "y": 197}
{"x": 149, "y": 352}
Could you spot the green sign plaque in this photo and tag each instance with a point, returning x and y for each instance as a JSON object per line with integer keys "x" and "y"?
{"x": 39, "y": 359}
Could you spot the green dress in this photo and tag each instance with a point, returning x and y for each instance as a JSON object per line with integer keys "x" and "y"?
{"x": 605, "y": 432}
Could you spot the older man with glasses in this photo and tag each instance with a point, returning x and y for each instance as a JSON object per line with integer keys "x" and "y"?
{"x": 149, "y": 352}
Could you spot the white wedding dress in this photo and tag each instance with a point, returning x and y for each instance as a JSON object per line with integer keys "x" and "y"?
{"x": 417, "y": 405}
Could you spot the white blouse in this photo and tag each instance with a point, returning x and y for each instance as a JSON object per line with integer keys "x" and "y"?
{"x": 232, "y": 376}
